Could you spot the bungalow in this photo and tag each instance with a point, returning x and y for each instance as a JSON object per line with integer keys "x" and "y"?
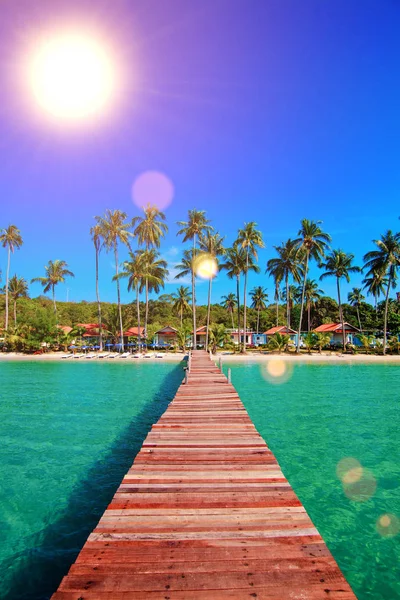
{"x": 283, "y": 330}
{"x": 132, "y": 332}
{"x": 166, "y": 336}
{"x": 336, "y": 332}
{"x": 235, "y": 335}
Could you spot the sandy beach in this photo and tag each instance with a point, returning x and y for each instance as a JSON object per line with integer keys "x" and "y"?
{"x": 325, "y": 357}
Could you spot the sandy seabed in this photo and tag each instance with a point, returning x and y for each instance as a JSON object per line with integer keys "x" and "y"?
{"x": 325, "y": 357}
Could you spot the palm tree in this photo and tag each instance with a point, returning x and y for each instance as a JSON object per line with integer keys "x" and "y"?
{"x": 355, "y": 297}
{"x": 18, "y": 288}
{"x": 196, "y": 226}
{"x": 114, "y": 229}
{"x": 157, "y": 272}
{"x": 249, "y": 238}
{"x": 312, "y": 244}
{"x": 219, "y": 337}
{"x": 321, "y": 339}
{"x": 212, "y": 245}
{"x": 56, "y": 272}
{"x": 259, "y": 297}
{"x": 235, "y": 263}
{"x": 367, "y": 342}
{"x": 385, "y": 260}
{"x": 182, "y": 337}
{"x": 339, "y": 264}
{"x": 290, "y": 295}
{"x": 229, "y": 303}
{"x": 95, "y": 232}
{"x": 11, "y": 239}
{"x": 312, "y": 294}
{"x": 149, "y": 230}
{"x": 135, "y": 269}
{"x": 375, "y": 285}
{"x": 181, "y": 301}
{"x": 279, "y": 341}
{"x": 286, "y": 265}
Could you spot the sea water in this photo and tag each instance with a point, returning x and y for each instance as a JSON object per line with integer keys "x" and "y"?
{"x": 70, "y": 431}
{"x": 68, "y": 434}
{"x": 313, "y": 416}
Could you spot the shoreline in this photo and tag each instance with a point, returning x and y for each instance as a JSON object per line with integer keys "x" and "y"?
{"x": 235, "y": 358}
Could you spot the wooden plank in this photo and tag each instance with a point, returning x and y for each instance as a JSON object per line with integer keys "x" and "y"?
{"x": 204, "y": 512}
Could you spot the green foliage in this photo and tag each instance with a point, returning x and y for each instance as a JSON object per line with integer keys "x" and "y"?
{"x": 219, "y": 337}
{"x": 279, "y": 342}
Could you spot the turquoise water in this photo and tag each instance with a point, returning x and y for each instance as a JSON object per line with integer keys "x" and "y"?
{"x": 69, "y": 432}
{"x": 320, "y": 415}
{"x": 68, "y": 435}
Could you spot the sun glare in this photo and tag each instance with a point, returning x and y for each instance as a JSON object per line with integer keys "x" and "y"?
{"x": 72, "y": 76}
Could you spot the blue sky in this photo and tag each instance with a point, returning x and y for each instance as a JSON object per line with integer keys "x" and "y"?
{"x": 263, "y": 110}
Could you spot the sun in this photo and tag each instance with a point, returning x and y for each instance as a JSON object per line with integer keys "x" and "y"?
{"x": 72, "y": 76}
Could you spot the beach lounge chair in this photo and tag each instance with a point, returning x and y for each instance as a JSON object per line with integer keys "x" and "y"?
{"x": 137, "y": 356}
{"x": 91, "y": 355}
{"x": 148, "y": 356}
{"x": 104, "y": 355}
{"x": 159, "y": 355}
{"x": 67, "y": 355}
{"x": 125, "y": 355}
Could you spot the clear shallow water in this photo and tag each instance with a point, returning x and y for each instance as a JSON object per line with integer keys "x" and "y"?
{"x": 68, "y": 434}
{"x": 320, "y": 415}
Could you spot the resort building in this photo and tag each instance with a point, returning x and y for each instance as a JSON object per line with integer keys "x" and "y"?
{"x": 132, "y": 332}
{"x": 236, "y": 335}
{"x": 283, "y": 330}
{"x": 166, "y": 336}
{"x": 335, "y": 329}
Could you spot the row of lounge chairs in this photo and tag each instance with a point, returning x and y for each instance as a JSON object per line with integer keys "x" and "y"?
{"x": 126, "y": 355}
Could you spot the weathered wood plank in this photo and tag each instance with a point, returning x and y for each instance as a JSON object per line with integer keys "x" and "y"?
{"x": 204, "y": 513}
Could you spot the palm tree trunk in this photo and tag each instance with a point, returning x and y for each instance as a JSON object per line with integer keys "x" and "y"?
{"x": 53, "y": 289}
{"x": 15, "y": 313}
{"x": 243, "y": 350}
{"x": 287, "y": 302}
{"x": 119, "y": 297}
{"x": 341, "y": 314}
{"x": 138, "y": 315}
{"x": 7, "y": 278}
{"x": 194, "y": 294}
{"x": 386, "y": 314}
{"x": 146, "y": 312}
{"x": 302, "y": 304}
{"x": 309, "y": 317}
{"x": 359, "y": 320}
{"x": 208, "y": 310}
{"x": 233, "y": 324}
{"x": 182, "y": 316}
{"x": 276, "y": 304}
{"x": 238, "y": 310}
{"x": 98, "y": 302}
{"x": 258, "y": 320}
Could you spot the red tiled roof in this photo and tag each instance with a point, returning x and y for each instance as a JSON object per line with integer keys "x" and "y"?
{"x": 65, "y": 328}
{"x": 133, "y": 331}
{"x": 280, "y": 329}
{"x": 335, "y": 328}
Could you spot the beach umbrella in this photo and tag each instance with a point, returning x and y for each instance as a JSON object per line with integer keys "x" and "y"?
{"x": 108, "y": 345}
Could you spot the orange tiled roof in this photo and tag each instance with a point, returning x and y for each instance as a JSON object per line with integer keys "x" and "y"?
{"x": 280, "y": 329}
{"x": 335, "y": 328}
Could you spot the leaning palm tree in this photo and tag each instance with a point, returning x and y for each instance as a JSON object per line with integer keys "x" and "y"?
{"x": 95, "y": 233}
{"x": 312, "y": 294}
{"x": 135, "y": 269}
{"x": 375, "y": 285}
{"x": 149, "y": 230}
{"x": 355, "y": 297}
{"x": 196, "y": 226}
{"x": 181, "y": 301}
{"x": 11, "y": 239}
{"x": 287, "y": 264}
{"x": 312, "y": 244}
{"x": 56, "y": 272}
{"x": 385, "y": 260}
{"x": 249, "y": 238}
{"x": 18, "y": 288}
{"x": 229, "y": 303}
{"x": 114, "y": 229}
{"x": 339, "y": 264}
{"x": 235, "y": 264}
{"x": 212, "y": 245}
{"x": 259, "y": 297}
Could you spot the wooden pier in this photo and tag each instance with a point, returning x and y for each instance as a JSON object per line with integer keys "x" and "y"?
{"x": 204, "y": 513}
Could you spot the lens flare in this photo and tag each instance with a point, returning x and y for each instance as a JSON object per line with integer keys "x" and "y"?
{"x": 205, "y": 266}
{"x": 276, "y": 370}
{"x": 71, "y": 76}
{"x": 152, "y": 188}
{"x": 359, "y": 484}
{"x": 388, "y": 525}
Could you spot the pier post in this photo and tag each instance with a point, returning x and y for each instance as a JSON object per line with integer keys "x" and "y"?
{"x": 186, "y": 375}
{"x": 229, "y": 376}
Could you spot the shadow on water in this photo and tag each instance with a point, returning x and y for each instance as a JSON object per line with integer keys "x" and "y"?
{"x": 39, "y": 570}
